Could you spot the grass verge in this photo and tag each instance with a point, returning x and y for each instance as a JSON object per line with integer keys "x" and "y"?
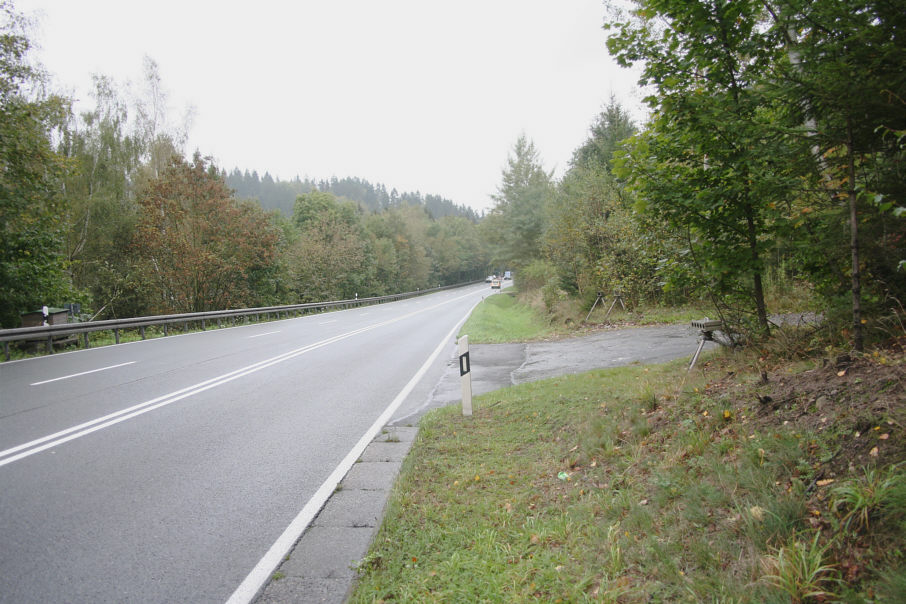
{"x": 502, "y": 318}
{"x": 512, "y": 316}
{"x": 638, "y": 485}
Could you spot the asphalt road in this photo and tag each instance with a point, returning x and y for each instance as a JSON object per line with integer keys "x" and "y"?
{"x": 175, "y": 469}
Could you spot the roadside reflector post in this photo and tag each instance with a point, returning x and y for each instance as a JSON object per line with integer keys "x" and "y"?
{"x": 465, "y": 375}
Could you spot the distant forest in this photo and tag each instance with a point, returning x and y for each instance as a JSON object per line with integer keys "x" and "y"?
{"x": 276, "y": 194}
{"x": 101, "y": 207}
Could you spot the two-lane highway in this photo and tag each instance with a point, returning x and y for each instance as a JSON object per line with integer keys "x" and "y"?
{"x": 166, "y": 470}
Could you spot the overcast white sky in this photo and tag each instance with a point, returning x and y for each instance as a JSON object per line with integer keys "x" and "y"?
{"x": 416, "y": 94}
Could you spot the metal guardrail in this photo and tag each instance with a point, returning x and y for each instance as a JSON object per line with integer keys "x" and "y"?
{"x": 49, "y": 333}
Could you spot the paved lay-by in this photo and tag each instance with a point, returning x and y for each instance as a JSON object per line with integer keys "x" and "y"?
{"x": 321, "y": 567}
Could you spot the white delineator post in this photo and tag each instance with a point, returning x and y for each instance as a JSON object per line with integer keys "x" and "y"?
{"x": 465, "y": 375}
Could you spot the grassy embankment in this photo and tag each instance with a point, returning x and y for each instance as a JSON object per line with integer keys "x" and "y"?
{"x": 500, "y": 318}
{"x": 504, "y": 318}
{"x": 749, "y": 480}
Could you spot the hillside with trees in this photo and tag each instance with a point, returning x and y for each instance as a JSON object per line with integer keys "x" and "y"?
{"x": 276, "y": 194}
{"x": 101, "y": 207}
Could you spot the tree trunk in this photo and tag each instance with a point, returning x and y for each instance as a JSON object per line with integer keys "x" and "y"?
{"x": 858, "y": 343}
{"x": 757, "y": 284}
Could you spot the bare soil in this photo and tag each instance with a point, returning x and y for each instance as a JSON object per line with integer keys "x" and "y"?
{"x": 860, "y": 402}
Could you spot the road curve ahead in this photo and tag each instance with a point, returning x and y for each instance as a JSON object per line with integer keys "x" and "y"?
{"x": 171, "y": 470}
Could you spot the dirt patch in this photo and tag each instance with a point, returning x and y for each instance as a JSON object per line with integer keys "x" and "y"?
{"x": 852, "y": 410}
{"x": 861, "y": 401}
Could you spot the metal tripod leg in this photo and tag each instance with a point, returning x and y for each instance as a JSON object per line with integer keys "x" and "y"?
{"x": 617, "y": 298}
{"x": 701, "y": 344}
{"x": 598, "y": 299}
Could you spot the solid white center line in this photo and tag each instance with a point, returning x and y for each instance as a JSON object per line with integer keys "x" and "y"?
{"x": 267, "y": 333}
{"x": 326, "y": 322}
{"x": 66, "y": 377}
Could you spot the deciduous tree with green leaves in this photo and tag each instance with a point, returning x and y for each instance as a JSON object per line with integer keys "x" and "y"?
{"x": 776, "y": 124}
{"x": 329, "y": 259}
{"x": 713, "y": 164}
{"x": 32, "y": 263}
{"x": 101, "y": 211}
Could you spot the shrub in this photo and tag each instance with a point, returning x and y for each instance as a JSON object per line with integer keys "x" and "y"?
{"x": 535, "y": 275}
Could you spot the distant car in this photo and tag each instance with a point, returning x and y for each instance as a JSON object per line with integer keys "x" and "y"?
{"x": 507, "y": 275}
{"x": 489, "y": 278}
{"x": 495, "y": 284}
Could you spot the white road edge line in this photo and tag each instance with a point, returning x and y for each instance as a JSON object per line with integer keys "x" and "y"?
{"x": 66, "y": 377}
{"x": 267, "y": 333}
{"x": 258, "y": 577}
{"x": 83, "y": 429}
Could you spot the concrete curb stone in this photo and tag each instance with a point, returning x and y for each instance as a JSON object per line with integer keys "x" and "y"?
{"x": 321, "y": 566}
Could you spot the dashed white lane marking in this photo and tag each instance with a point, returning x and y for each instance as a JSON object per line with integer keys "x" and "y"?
{"x": 66, "y": 377}
{"x": 267, "y": 333}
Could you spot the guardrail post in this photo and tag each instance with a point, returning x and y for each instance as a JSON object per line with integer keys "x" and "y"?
{"x": 465, "y": 375}
{"x": 87, "y": 343}
{"x": 166, "y": 330}
{"x": 202, "y": 325}
{"x": 141, "y": 330}
{"x": 116, "y": 335}
{"x": 49, "y": 344}
{"x": 6, "y": 350}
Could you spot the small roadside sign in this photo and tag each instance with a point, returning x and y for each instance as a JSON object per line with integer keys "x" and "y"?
{"x": 465, "y": 375}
